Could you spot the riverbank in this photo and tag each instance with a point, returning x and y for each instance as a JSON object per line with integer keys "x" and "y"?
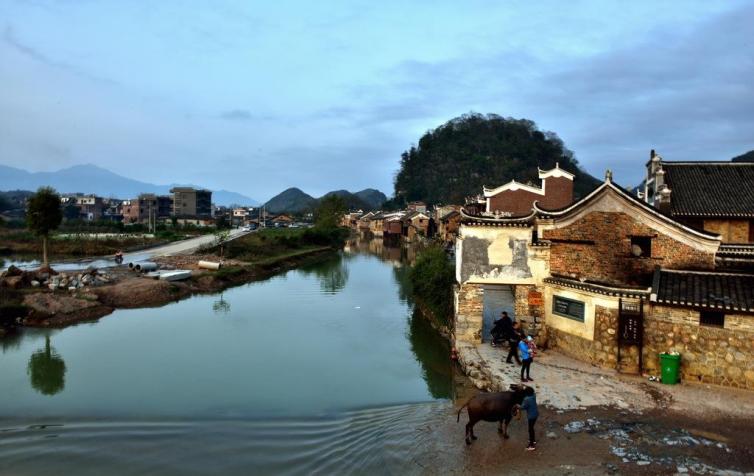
{"x": 129, "y": 291}
{"x": 596, "y": 421}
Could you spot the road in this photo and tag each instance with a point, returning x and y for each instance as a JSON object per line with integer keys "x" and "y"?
{"x": 176, "y": 248}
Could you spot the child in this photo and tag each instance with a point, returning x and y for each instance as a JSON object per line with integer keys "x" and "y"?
{"x": 526, "y": 358}
{"x": 532, "y": 413}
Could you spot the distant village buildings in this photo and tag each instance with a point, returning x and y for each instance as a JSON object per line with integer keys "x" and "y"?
{"x": 614, "y": 279}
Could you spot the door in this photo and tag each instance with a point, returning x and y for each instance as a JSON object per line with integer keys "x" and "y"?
{"x": 496, "y": 299}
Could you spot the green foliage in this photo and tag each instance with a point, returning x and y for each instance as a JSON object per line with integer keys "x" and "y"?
{"x": 46, "y": 370}
{"x": 747, "y": 157}
{"x": 44, "y": 212}
{"x": 458, "y": 158}
{"x": 432, "y": 278}
{"x": 269, "y": 242}
{"x": 329, "y": 212}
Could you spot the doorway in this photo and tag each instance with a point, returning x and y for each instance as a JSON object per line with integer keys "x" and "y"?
{"x": 496, "y": 299}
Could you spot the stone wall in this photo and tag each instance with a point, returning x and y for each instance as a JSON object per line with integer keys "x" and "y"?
{"x": 469, "y": 312}
{"x": 598, "y": 247}
{"x": 723, "y": 356}
{"x": 529, "y": 312}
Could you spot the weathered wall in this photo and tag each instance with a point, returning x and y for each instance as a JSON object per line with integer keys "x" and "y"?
{"x": 723, "y": 356}
{"x": 598, "y": 247}
{"x": 498, "y": 255}
{"x": 732, "y": 231}
{"x": 516, "y": 202}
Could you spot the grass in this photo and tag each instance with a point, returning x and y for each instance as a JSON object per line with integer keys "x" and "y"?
{"x": 277, "y": 243}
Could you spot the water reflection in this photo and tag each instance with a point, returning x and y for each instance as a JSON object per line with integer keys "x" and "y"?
{"x": 332, "y": 273}
{"x": 221, "y": 306}
{"x": 432, "y": 351}
{"x": 46, "y": 370}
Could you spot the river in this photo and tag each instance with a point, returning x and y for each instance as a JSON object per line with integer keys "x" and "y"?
{"x": 322, "y": 369}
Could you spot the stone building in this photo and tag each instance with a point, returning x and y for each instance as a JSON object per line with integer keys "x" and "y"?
{"x": 610, "y": 280}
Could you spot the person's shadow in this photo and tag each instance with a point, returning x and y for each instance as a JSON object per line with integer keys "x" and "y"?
{"x": 46, "y": 370}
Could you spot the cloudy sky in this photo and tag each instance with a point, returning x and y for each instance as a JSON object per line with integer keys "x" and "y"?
{"x": 259, "y": 96}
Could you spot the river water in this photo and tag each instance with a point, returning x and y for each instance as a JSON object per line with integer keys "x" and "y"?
{"x": 322, "y": 369}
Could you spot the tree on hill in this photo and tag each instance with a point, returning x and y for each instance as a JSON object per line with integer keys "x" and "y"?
{"x": 44, "y": 215}
{"x": 461, "y": 156}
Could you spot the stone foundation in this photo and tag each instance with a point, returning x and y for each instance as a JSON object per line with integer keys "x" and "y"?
{"x": 469, "y": 313}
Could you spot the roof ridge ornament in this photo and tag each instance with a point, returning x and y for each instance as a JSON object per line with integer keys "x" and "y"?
{"x": 608, "y": 176}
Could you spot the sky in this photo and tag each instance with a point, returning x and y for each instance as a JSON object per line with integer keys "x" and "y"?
{"x": 256, "y": 97}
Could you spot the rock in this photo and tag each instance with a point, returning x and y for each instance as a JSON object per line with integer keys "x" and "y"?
{"x": 552, "y": 435}
{"x": 14, "y": 282}
{"x": 13, "y": 271}
{"x": 35, "y": 283}
{"x": 52, "y": 286}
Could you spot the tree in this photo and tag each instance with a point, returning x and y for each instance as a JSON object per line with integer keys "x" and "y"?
{"x": 46, "y": 370}
{"x": 44, "y": 215}
{"x": 458, "y": 158}
{"x": 329, "y": 212}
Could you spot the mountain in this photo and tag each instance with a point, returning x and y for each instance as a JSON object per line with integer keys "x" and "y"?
{"x": 373, "y": 198}
{"x": 460, "y": 157}
{"x": 90, "y": 178}
{"x": 292, "y": 200}
{"x": 747, "y": 157}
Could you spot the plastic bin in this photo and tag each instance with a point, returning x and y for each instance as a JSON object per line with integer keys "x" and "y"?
{"x": 670, "y": 364}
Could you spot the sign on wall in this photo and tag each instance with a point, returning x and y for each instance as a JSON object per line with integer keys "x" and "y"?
{"x": 569, "y": 308}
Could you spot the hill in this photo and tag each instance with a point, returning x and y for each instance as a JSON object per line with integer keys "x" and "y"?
{"x": 373, "y": 198}
{"x": 747, "y": 157}
{"x": 293, "y": 200}
{"x": 90, "y": 178}
{"x": 461, "y": 156}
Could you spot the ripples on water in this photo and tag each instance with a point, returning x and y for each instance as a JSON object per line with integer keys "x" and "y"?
{"x": 384, "y": 440}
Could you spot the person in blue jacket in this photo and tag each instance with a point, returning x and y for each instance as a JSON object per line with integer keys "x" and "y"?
{"x": 526, "y": 358}
{"x": 532, "y": 413}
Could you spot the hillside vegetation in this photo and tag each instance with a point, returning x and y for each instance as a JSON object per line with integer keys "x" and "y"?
{"x": 461, "y": 156}
{"x": 294, "y": 200}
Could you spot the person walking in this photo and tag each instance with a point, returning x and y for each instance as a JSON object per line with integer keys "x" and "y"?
{"x": 513, "y": 340}
{"x": 526, "y": 357}
{"x": 532, "y": 413}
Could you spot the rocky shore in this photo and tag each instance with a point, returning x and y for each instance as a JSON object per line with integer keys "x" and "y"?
{"x": 45, "y": 298}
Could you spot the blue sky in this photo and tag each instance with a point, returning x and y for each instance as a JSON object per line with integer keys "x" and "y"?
{"x": 259, "y": 96}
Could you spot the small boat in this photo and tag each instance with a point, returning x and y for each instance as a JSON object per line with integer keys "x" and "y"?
{"x": 176, "y": 275}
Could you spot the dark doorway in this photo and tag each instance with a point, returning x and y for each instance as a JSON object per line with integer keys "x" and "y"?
{"x": 497, "y": 298}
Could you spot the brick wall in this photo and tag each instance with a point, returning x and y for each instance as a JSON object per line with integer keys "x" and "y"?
{"x": 530, "y": 315}
{"x": 723, "y": 356}
{"x": 469, "y": 313}
{"x": 558, "y": 193}
{"x": 516, "y": 202}
{"x": 598, "y": 247}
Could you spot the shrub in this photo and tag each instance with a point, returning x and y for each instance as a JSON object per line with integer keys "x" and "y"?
{"x": 432, "y": 278}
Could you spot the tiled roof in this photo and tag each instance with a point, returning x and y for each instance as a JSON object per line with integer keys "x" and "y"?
{"x": 710, "y": 188}
{"x": 725, "y": 291}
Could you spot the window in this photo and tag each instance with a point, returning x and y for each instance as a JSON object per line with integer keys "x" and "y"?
{"x": 712, "y": 318}
{"x": 569, "y": 308}
{"x": 641, "y": 246}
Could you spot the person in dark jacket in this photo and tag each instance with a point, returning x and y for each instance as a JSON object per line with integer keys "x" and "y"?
{"x": 532, "y": 413}
{"x": 502, "y": 329}
{"x": 513, "y": 340}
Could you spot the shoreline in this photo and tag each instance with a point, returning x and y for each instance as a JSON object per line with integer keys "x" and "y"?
{"x": 90, "y": 304}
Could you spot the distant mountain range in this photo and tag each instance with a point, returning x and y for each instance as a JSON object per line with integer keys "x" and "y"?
{"x": 90, "y": 178}
{"x": 293, "y": 200}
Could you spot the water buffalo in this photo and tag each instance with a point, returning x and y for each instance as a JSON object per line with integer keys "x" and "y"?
{"x": 497, "y": 407}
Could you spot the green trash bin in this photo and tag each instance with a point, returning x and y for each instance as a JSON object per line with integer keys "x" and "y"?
{"x": 670, "y": 364}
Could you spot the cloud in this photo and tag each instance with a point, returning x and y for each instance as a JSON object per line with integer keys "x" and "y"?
{"x": 237, "y": 115}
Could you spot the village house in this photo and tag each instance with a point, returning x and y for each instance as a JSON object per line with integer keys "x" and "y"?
{"x": 608, "y": 279}
{"x": 351, "y": 219}
{"x": 189, "y": 202}
{"x": 416, "y": 224}
{"x": 448, "y": 220}
{"x": 364, "y": 223}
{"x": 147, "y": 208}
{"x": 712, "y": 196}
{"x": 416, "y": 207}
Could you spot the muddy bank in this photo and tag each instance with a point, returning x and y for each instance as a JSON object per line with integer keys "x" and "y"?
{"x": 60, "y": 308}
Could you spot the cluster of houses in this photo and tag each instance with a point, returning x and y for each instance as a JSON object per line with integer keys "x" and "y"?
{"x": 618, "y": 277}
{"x": 413, "y": 224}
{"x": 184, "y": 206}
